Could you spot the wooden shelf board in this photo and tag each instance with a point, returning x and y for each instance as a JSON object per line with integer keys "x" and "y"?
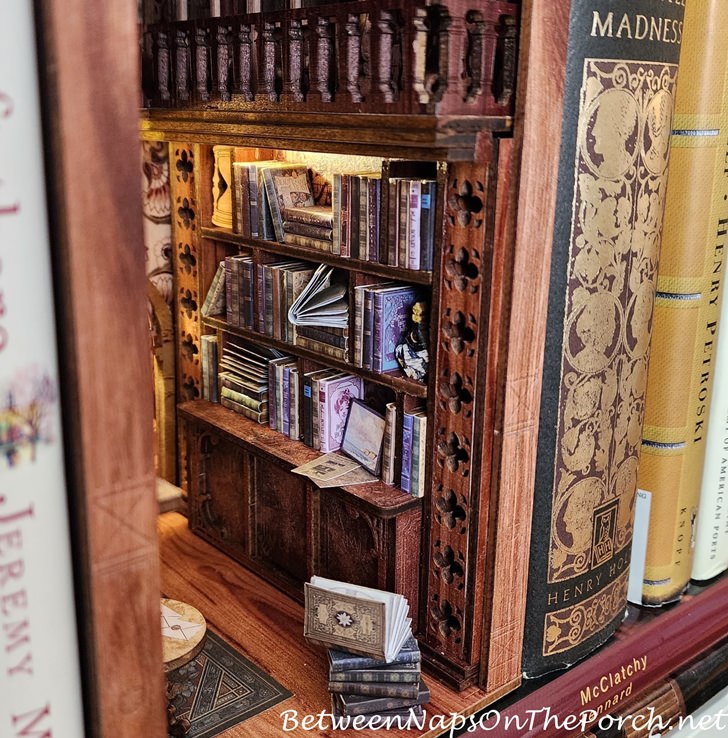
{"x": 385, "y": 499}
{"x": 309, "y": 254}
{"x": 402, "y": 136}
{"x": 395, "y": 380}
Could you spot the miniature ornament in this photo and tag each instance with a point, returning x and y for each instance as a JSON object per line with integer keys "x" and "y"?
{"x": 412, "y": 354}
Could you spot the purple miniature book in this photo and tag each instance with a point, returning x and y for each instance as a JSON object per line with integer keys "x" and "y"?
{"x": 392, "y": 314}
{"x": 335, "y": 394}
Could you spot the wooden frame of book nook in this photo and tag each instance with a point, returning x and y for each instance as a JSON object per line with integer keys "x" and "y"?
{"x": 89, "y": 70}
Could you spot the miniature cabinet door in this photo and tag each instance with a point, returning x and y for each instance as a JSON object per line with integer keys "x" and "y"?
{"x": 218, "y": 482}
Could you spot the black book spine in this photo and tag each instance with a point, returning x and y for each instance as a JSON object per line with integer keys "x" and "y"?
{"x": 581, "y": 530}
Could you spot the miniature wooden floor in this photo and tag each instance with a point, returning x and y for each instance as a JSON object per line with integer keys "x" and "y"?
{"x": 267, "y": 628}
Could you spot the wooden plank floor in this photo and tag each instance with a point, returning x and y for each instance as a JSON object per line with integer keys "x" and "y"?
{"x": 267, "y": 628}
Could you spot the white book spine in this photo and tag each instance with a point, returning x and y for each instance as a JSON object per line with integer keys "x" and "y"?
{"x": 711, "y": 534}
{"x": 40, "y": 684}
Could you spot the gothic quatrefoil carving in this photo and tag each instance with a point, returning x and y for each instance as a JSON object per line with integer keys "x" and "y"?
{"x": 188, "y": 303}
{"x": 446, "y": 620}
{"x": 456, "y": 394}
{"x": 190, "y": 391}
{"x": 184, "y": 165}
{"x": 453, "y": 453}
{"x": 187, "y": 258}
{"x": 188, "y": 347}
{"x": 460, "y": 271}
{"x": 186, "y": 213}
{"x": 465, "y": 203}
{"x": 450, "y": 569}
{"x": 451, "y": 512}
{"x": 457, "y": 331}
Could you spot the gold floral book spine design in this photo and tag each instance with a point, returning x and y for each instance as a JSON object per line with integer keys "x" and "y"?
{"x": 619, "y": 193}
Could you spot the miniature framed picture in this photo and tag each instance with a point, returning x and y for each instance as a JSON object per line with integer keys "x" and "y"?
{"x": 364, "y": 436}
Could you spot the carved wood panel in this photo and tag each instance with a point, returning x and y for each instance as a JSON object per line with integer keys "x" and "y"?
{"x": 454, "y": 510}
{"x": 185, "y": 266}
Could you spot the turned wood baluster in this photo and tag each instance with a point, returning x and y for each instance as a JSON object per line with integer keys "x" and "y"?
{"x": 246, "y": 72}
{"x": 474, "y": 58}
{"x": 453, "y": 59}
{"x": 162, "y": 66}
{"x": 202, "y": 64}
{"x": 322, "y": 67}
{"x": 444, "y": 55}
{"x": 506, "y": 59}
{"x": 182, "y": 65}
{"x": 353, "y": 57}
{"x": 223, "y": 62}
{"x": 293, "y": 49}
{"x": 267, "y": 70}
{"x": 418, "y": 56}
{"x": 388, "y": 67}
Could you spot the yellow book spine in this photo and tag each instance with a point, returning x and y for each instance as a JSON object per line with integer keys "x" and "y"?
{"x": 687, "y": 307}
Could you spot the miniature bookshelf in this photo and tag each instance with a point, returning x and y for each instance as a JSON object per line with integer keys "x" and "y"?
{"x": 324, "y": 99}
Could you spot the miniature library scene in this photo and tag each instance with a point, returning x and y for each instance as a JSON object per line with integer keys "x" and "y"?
{"x": 436, "y": 368}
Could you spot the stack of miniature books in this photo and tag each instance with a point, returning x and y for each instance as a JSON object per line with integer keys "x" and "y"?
{"x": 361, "y": 685}
{"x": 374, "y": 662}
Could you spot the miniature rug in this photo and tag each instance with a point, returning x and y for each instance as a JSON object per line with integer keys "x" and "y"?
{"x": 220, "y": 689}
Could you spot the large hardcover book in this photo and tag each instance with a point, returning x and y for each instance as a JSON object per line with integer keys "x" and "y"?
{"x": 689, "y": 284}
{"x": 711, "y": 534}
{"x": 40, "y": 679}
{"x": 664, "y": 706}
{"x": 615, "y": 108}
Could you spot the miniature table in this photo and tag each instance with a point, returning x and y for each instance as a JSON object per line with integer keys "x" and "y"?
{"x": 183, "y": 636}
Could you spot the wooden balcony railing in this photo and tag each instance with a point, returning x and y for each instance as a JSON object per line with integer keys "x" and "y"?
{"x": 381, "y": 56}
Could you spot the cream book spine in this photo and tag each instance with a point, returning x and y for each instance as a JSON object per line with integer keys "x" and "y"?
{"x": 711, "y": 533}
{"x": 40, "y": 680}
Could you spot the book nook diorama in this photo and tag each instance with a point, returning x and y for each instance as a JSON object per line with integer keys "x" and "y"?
{"x": 413, "y": 330}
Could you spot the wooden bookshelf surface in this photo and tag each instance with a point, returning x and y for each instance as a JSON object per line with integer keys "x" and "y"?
{"x": 385, "y": 499}
{"x": 310, "y": 254}
{"x": 396, "y": 381}
{"x": 405, "y": 136}
{"x": 267, "y": 628}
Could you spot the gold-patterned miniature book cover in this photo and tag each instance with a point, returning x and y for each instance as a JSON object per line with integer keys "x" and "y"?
{"x": 345, "y": 622}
